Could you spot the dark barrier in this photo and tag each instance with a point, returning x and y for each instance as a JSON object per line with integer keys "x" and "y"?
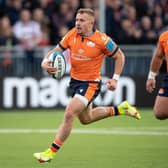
{"x": 28, "y": 92}
{"x": 24, "y": 84}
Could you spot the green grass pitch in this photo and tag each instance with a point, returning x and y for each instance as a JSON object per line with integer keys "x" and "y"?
{"x": 118, "y": 142}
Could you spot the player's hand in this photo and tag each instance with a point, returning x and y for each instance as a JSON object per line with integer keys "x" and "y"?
{"x": 111, "y": 84}
{"x": 150, "y": 85}
{"x": 46, "y": 65}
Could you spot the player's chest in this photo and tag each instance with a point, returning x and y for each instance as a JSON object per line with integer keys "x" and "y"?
{"x": 85, "y": 47}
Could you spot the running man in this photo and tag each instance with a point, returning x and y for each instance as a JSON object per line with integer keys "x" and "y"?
{"x": 88, "y": 48}
{"x": 161, "y": 102}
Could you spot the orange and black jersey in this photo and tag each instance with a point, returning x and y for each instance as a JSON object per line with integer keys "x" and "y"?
{"x": 163, "y": 43}
{"x": 87, "y": 53}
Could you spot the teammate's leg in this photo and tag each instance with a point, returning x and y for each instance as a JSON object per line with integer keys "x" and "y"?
{"x": 160, "y": 107}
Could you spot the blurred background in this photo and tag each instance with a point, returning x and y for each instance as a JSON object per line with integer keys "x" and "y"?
{"x": 28, "y": 29}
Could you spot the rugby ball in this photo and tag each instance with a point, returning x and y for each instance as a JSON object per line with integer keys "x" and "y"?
{"x": 58, "y": 61}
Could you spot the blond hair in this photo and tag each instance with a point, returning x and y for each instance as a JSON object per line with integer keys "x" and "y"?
{"x": 88, "y": 11}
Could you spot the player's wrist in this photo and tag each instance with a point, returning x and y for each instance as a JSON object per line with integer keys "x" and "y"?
{"x": 116, "y": 77}
{"x": 152, "y": 75}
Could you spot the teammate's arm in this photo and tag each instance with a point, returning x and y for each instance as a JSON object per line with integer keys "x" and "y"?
{"x": 157, "y": 60}
{"x": 155, "y": 65}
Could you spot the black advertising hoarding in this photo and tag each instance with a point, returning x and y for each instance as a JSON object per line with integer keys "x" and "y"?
{"x": 33, "y": 93}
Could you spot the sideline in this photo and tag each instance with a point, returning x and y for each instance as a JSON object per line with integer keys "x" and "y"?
{"x": 99, "y": 131}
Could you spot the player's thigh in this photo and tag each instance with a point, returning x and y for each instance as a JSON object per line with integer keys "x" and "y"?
{"x": 75, "y": 106}
{"x": 85, "y": 114}
{"x": 161, "y": 104}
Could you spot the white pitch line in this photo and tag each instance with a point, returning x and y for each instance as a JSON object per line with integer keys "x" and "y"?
{"x": 117, "y": 131}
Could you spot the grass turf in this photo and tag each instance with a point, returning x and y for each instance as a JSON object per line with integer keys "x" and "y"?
{"x": 85, "y": 150}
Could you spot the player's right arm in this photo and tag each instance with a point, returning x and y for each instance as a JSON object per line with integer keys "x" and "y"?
{"x": 46, "y": 62}
{"x": 155, "y": 65}
{"x": 59, "y": 48}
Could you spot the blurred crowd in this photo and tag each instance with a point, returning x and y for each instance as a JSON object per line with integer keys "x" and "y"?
{"x": 43, "y": 22}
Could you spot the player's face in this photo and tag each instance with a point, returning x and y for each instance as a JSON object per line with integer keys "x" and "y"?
{"x": 84, "y": 23}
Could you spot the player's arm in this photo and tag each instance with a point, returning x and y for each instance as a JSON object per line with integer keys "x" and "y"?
{"x": 119, "y": 64}
{"x": 63, "y": 45}
{"x": 155, "y": 65}
{"x": 157, "y": 60}
{"x": 45, "y": 64}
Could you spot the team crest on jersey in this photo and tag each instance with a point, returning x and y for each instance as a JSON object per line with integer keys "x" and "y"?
{"x": 90, "y": 44}
{"x": 103, "y": 38}
{"x": 80, "y": 51}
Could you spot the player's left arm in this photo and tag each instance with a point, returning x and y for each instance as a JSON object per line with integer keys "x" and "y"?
{"x": 112, "y": 50}
{"x": 119, "y": 64}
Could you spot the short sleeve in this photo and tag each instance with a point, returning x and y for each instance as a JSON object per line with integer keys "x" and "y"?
{"x": 110, "y": 47}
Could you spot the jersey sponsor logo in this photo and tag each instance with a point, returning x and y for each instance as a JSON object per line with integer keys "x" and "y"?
{"x": 104, "y": 38}
{"x": 80, "y": 57}
{"x": 90, "y": 44}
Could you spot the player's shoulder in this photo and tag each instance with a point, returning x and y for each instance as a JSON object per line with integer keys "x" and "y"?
{"x": 163, "y": 36}
{"x": 101, "y": 37}
{"x": 71, "y": 32}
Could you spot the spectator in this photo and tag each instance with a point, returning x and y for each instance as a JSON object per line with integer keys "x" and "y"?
{"x": 28, "y": 33}
{"x": 149, "y": 34}
{"x": 75, "y": 4}
{"x": 59, "y": 13}
{"x": 30, "y": 4}
{"x": 6, "y": 36}
{"x": 113, "y": 18}
{"x": 48, "y": 7}
{"x": 138, "y": 37}
{"x": 141, "y": 7}
{"x": 7, "y": 40}
{"x": 62, "y": 31}
{"x": 158, "y": 25}
{"x": 38, "y": 16}
{"x": 62, "y": 17}
{"x": 13, "y": 10}
{"x": 126, "y": 34}
{"x": 87, "y": 4}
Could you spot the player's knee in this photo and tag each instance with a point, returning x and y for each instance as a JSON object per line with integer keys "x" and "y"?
{"x": 84, "y": 121}
{"x": 159, "y": 114}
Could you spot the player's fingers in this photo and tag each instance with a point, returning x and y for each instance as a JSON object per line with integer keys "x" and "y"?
{"x": 150, "y": 88}
{"x": 111, "y": 87}
{"x": 51, "y": 70}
